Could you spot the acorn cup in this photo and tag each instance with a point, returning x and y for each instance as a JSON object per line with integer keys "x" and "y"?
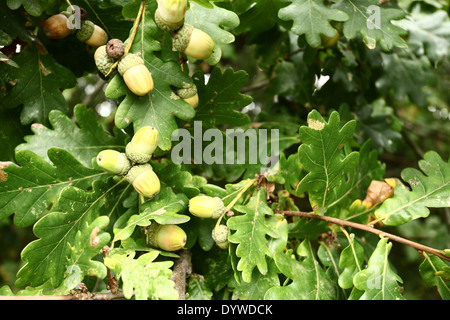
{"x": 144, "y": 180}
{"x": 142, "y": 145}
{"x": 167, "y": 237}
{"x": 56, "y": 26}
{"x": 169, "y": 15}
{"x": 91, "y": 34}
{"x": 189, "y": 95}
{"x": 102, "y": 60}
{"x": 135, "y": 74}
{"x": 220, "y": 236}
{"x": 206, "y": 207}
{"x": 193, "y": 42}
{"x": 113, "y": 162}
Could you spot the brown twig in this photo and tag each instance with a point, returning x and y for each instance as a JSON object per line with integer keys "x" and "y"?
{"x": 344, "y": 223}
{"x": 181, "y": 268}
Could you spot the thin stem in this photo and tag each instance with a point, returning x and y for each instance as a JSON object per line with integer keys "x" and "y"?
{"x": 133, "y": 34}
{"x": 344, "y": 223}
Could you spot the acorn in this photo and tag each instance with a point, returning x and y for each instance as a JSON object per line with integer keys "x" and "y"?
{"x": 189, "y": 95}
{"x": 135, "y": 74}
{"x": 115, "y": 49}
{"x": 329, "y": 42}
{"x": 57, "y": 26}
{"x": 168, "y": 237}
{"x": 114, "y": 162}
{"x": 193, "y": 42}
{"x": 220, "y": 236}
{"x": 102, "y": 60}
{"x": 206, "y": 207}
{"x": 144, "y": 180}
{"x": 169, "y": 15}
{"x": 91, "y": 34}
{"x": 142, "y": 145}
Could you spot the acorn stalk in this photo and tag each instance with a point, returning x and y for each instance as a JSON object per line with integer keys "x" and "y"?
{"x": 113, "y": 161}
{"x": 206, "y": 207}
{"x": 167, "y": 237}
{"x": 57, "y": 26}
{"x": 144, "y": 180}
{"x": 170, "y": 14}
{"x": 189, "y": 95}
{"x": 135, "y": 74}
{"x": 92, "y": 34}
{"x": 193, "y": 42}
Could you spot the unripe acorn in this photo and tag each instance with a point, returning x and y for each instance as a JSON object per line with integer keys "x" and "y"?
{"x": 135, "y": 74}
{"x": 206, "y": 207}
{"x": 193, "y": 42}
{"x": 167, "y": 237}
{"x": 142, "y": 145}
{"x": 113, "y": 162}
{"x": 329, "y": 42}
{"x": 144, "y": 180}
{"x": 170, "y": 14}
{"x": 102, "y": 60}
{"x": 220, "y": 236}
{"x": 57, "y": 26}
{"x": 91, "y": 34}
{"x": 115, "y": 48}
{"x": 189, "y": 95}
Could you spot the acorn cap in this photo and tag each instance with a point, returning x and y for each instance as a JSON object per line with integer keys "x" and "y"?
{"x": 206, "y": 207}
{"x": 220, "y": 235}
{"x": 137, "y": 170}
{"x": 182, "y": 37}
{"x": 113, "y": 161}
{"x": 86, "y": 30}
{"x": 167, "y": 25}
{"x": 102, "y": 60}
{"x": 185, "y": 93}
{"x": 129, "y": 60}
{"x": 167, "y": 237}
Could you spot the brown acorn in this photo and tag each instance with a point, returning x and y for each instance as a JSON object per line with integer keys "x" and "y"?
{"x": 92, "y": 34}
{"x": 115, "y": 49}
{"x": 56, "y": 27}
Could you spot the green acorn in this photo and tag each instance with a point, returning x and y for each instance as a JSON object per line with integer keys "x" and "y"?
{"x": 113, "y": 161}
{"x": 206, "y": 207}
{"x": 189, "y": 95}
{"x": 170, "y": 14}
{"x": 193, "y": 42}
{"x": 220, "y": 236}
{"x": 144, "y": 180}
{"x": 135, "y": 74}
{"x": 142, "y": 145}
{"x": 167, "y": 237}
{"x": 102, "y": 60}
{"x": 92, "y": 34}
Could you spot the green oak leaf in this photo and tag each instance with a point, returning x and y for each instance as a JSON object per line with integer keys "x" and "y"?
{"x": 220, "y": 100}
{"x": 378, "y": 280}
{"x": 373, "y": 22}
{"x": 250, "y": 234}
{"x": 32, "y": 187}
{"x": 429, "y": 189}
{"x": 312, "y": 18}
{"x": 39, "y": 83}
{"x": 321, "y": 154}
{"x": 197, "y": 288}
{"x": 143, "y": 277}
{"x": 84, "y": 139}
{"x": 351, "y": 261}
{"x": 214, "y": 21}
{"x": 88, "y": 242}
{"x": 163, "y": 209}
{"x": 430, "y": 271}
{"x": 258, "y": 16}
{"x": 46, "y": 258}
{"x": 33, "y": 7}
